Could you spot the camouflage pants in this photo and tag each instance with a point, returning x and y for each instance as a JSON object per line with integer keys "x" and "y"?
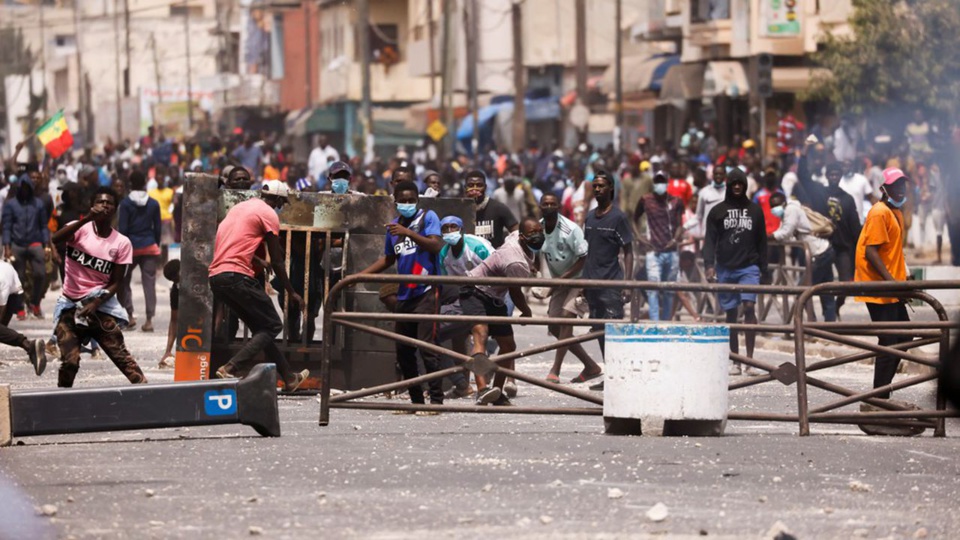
{"x": 105, "y": 330}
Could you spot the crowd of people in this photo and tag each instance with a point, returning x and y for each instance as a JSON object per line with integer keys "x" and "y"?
{"x": 695, "y": 211}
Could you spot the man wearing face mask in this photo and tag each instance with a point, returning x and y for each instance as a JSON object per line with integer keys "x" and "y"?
{"x": 795, "y": 226}
{"x": 712, "y": 194}
{"x": 494, "y": 220}
{"x": 664, "y": 229}
{"x": 735, "y": 252}
{"x": 413, "y": 241}
{"x": 235, "y": 177}
{"x": 516, "y": 258}
{"x": 340, "y": 173}
{"x": 880, "y": 258}
{"x": 836, "y": 204}
{"x": 461, "y": 253}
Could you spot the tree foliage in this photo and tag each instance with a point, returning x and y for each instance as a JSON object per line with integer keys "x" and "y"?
{"x": 901, "y": 54}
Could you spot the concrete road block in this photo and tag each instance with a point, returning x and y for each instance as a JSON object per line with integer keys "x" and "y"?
{"x": 666, "y": 379}
{"x": 6, "y": 429}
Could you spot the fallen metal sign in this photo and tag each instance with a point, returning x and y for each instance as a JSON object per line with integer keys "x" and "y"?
{"x": 251, "y": 401}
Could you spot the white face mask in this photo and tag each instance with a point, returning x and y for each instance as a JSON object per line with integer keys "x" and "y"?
{"x": 431, "y": 193}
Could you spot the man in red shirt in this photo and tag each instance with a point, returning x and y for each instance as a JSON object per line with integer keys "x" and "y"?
{"x": 678, "y": 186}
{"x": 239, "y": 236}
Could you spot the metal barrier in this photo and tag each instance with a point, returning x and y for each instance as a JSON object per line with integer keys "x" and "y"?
{"x": 929, "y": 332}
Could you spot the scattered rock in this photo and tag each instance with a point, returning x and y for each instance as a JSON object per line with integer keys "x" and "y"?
{"x": 921, "y": 533}
{"x": 149, "y": 493}
{"x": 859, "y": 487}
{"x": 828, "y": 510}
{"x": 49, "y": 510}
{"x": 154, "y": 523}
{"x": 255, "y": 531}
{"x": 70, "y": 499}
{"x": 356, "y": 427}
{"x": 658, "y": 513}
{"x": 779, "y": 531}
{"x": 546, "y": 520}
{"x": 861, "y": 533}
{"x": 762, "y": 498}
{"x": 487, "y": 488}
{"x": 253, "y": 499}
{"x": 614, "y": 493}
{"x": 777, "y": 479}
{"x": 556, "y": 483}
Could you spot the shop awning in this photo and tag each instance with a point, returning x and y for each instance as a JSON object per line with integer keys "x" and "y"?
{"x": 682, "y": 83}
{"x": 295, "y": 123}
{"x": 484, "y": 116}
{"x": 796, "y": 79}
{"x": 640, "y": 73}
{"x": 727, "y": 78}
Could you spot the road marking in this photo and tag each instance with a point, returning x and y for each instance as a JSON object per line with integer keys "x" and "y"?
{"x": 919, "y": 453}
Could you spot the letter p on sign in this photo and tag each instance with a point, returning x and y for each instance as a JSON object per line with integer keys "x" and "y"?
{"x": 220, "y": 402}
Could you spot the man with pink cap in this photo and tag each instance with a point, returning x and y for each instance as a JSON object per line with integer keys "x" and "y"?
{"x": 880, "y": 257}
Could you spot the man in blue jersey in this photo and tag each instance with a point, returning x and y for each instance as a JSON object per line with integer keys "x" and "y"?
{"x": 413, "y": 242}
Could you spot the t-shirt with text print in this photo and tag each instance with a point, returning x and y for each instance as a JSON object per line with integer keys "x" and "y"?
{"x": 412, "y": 259}
{"x": 90, "y": 260}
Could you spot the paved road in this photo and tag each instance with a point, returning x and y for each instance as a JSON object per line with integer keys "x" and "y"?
{"x": 377, "y": 475}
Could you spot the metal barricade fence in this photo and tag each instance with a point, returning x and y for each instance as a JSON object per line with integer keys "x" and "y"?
{"x": 929, "y": 332}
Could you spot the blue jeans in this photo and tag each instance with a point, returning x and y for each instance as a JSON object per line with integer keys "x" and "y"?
{"x": 661, "y": 266}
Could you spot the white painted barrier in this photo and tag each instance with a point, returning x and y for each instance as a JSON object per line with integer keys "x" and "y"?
{"x": 666, "y": 379}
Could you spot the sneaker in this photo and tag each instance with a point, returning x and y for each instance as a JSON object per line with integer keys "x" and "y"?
{"x": 38, "y": 356}
{"x": 735, "y": 369}
{"x": 597, "y": 387}
{"x": 488, "y": 395}
{"x": 510, "y": 388}
{"x": 21, "y": 315}
{"x": 224, "y": 373}
{"x": 503, "y": 401}
{"x": 37, "y": 313}
{"x": 298, "y": 380}
{"x": 754, "y": 371}
{"x": 147, "y": 326}
{"x": 458, "y": 392}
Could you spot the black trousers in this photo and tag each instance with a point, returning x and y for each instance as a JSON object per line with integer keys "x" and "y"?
{"x": 886, "y": 365}
{"x": 249, "y": 302}
{"x": 844, "y": 261}
{"x": 425, "y": 304}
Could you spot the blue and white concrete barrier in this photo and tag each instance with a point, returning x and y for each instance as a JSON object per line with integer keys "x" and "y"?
{"x": 666, "y": 379}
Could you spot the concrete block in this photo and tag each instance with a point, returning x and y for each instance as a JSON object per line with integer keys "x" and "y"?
{"x": 6, "y": 425}
{"x": 666, "y": 379}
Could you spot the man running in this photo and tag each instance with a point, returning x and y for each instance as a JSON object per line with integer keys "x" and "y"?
{"x": 96, "y": 260}
{"x": 232, "y": 280}
{"x": 11, "y": 296}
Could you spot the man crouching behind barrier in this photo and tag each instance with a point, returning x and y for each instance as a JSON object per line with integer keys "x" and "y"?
{"x": 97, "y": 258}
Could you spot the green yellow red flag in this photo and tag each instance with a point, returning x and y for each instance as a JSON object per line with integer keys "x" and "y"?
{"x": 55, "y": 135}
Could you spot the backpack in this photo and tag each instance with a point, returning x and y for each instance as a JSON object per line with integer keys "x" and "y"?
{"x": 821, "y": 226}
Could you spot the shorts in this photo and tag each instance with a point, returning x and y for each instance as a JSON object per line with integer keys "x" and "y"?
{"x": 749, "y": 275}
{"x": 476, "y": 303}
{"x": 563, "y": 301}
{"x": 604, "y": 304}
{"x": 939, "y": 218}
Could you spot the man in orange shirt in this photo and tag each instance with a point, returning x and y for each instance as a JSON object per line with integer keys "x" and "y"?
{"x": 880, "y": 257}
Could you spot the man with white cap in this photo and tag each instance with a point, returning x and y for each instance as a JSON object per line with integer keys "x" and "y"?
{"x": 880, "y": 258}
{"x": 240, "y": 235}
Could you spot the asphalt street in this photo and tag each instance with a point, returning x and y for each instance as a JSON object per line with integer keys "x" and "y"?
{"x": 379, "y": 475}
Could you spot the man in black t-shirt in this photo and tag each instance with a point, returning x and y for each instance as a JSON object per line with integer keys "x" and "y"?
{"x": 494, "y": 220}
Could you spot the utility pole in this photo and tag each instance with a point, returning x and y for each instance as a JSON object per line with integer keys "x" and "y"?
{"x": 433, "y": 67}
{"x": 116, "y": 67}
{"x": 519, "y": 81}
{"x": 470, "y": 25}
{"x": 43, "y": 59}
{"x": 363, "y": 33}
{"x": 581, "y": 30}
{"x": 156, "y": 75}
{"x": 126, "y": 29}
{"x": 449, "y": 67}
{"x": 82, "y": 116}
{"x": 186, "y": 31}
{"x": 618, "y": 131}
{"x": 307, "y": 54}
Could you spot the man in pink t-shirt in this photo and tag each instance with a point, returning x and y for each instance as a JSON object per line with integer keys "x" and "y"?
{"x": 96, "y": 261}
{"x": 233, "y": 283}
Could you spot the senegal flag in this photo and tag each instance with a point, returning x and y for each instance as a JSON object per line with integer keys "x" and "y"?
{"x": 55, "y": 135}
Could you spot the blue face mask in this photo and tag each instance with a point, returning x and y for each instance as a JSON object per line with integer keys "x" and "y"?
{"x": 340, "y": 185}
{"x": 892, "y": 201}
{"x": 452, "y": 238}
{"x": 407, "y": 210}
{"x": 660, "y": 189}
{"x": 778, "y": 211}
